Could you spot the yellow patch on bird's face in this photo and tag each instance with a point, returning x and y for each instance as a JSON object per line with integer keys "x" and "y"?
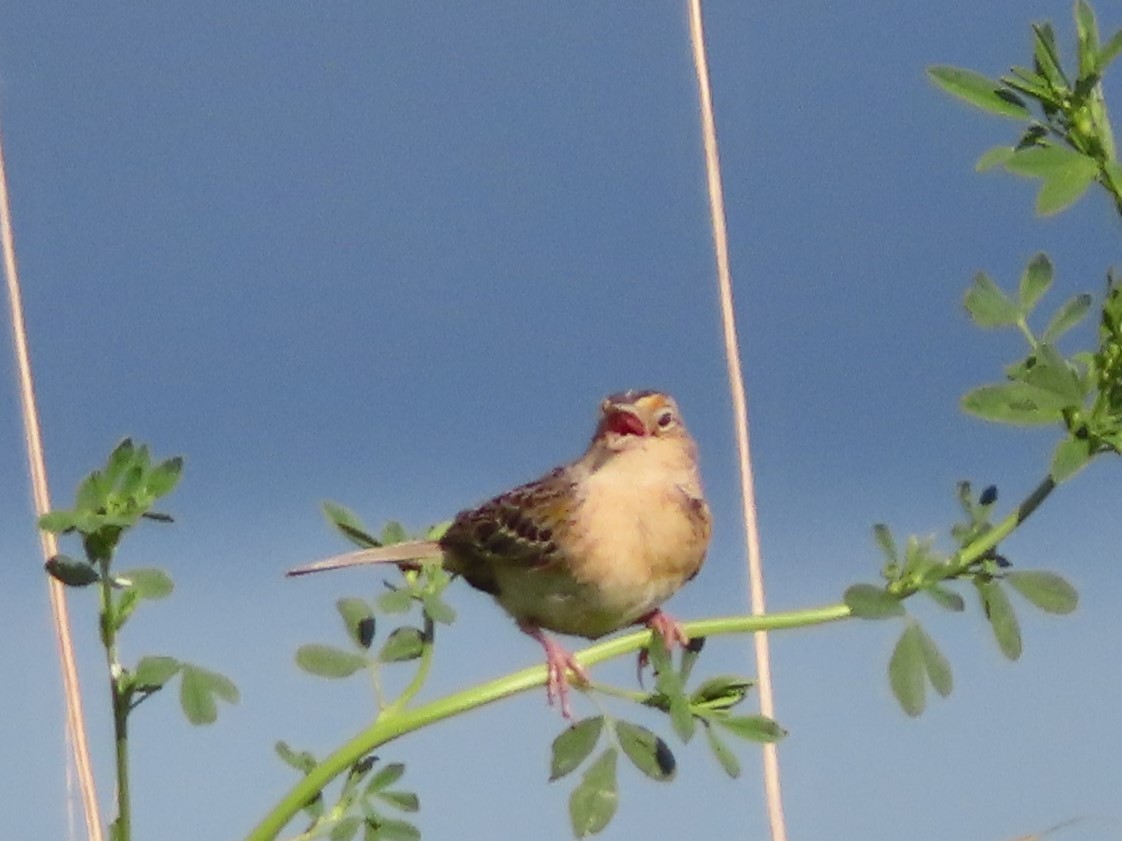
{"x": 659, "y": 414}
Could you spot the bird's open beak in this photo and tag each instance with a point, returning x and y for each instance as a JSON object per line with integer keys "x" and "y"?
{"x": 622, "y": 419}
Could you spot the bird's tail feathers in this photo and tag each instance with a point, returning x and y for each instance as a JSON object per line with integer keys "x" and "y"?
{"x": 408, "y": 554}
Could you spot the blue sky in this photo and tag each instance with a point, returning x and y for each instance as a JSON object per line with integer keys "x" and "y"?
{"x": 394, "y": 258}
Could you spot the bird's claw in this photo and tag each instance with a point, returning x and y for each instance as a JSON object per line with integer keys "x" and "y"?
{"x": 558, "y": 664}
{"x": 669, "y": 630}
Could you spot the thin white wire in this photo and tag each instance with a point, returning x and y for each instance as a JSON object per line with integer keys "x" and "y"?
{"x": 772, "y": 786}
{"x": 75, "y": 722}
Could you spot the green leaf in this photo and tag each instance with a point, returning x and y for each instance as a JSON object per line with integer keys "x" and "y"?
{"x": 302, "y": 761}
{"x": 1069, "y": 457}
{"x": 124, "y": 606}
{"x": 1035, "y": 281}
{"x": 946, "y": 598}
{"x": 690, "y": 652}
{"x": 92, "y": 493}
{"x": 1046, "y": 590}
{"x": 1002, "y": 619}
{"x": 403, "y": 644}
{"x": 988, "y": 305}
{"x": 197, "y": 690}
{"x": 921, "y": 562}
{"x": 220, "y": 685}
{"x": 1032, "y": 84}
{"x": 1110, "y": 51}
{"x": 1048, "y": 57}
{"x": 574, "y": 745}
{"x": 647, "y": 752}
{"x": 435, "y": 532}
{"x": 314, "y": 808}
{"x": 1050, "y": 371}
{"x": 119, "y": 460}
{"x": 906, "y": 670}
{"x": 1061, "y": 192}
{"x": 327, "y": 661}
{"x": 148, "y": 582}
{"x": 398, "y": 600}
{"x": 346, "y": 829}
{"x": 162, "y": 479}
{"x": 72, "y": 572}
{"x": 393, "y": 532}
{"x": 58, "y": 521}
{"x": 721, "y": 692}
{"x": 721, "y": 751}
{"x": 593, "y": 802}
{"x": 391, "y": 829}
{"x": 996, "y": 156}
{"x": 979, "y": 91}
{"x": 1048, "y": 162}
{"x": 668, "y": 682}
{"x": 349, "y": 525}
{"x": 887, "y": 544}
{"x": 133, "y": 477}
{"x": 1070, "y": 314}
{"x": 754, "y": 728}
{"x": 1087, "y": 32}
{"x": 358, "y": 619}
{"x": 437, "y": 609}
{"x": 98, "y": 540}
{"x": 938, "y": 669}
{"x": 867, "y": 601}
{"x": 385, "y": 777}
{"x": 154, "y": 671}
{"x": 1016, "y": 403}
{"x": 406, "y": 801}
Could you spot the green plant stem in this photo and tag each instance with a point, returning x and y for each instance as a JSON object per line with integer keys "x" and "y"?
{"x": 617, "y": 692}
{"x": 985, "y": 543}
{"x": 121, "y": 701}
{"x": 422, "y": 673}
{"x": 121, "y": 738}
{"x": 388, "y": 727}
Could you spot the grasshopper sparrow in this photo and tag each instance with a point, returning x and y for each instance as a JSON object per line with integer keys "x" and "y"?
{"x": 590, "y": 547}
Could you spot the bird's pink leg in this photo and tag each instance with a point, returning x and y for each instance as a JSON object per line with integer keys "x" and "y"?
{"x": 559, "y": 663}
{"x": 668, "y": 628}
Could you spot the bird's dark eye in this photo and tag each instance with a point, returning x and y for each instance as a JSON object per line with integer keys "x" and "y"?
{"x": 665, "y": 419}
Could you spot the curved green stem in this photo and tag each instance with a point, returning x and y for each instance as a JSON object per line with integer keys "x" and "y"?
{"x": 421, "y": 674}
{"x": 390, "y": 726}
{"x": 983, "y": 544}
{"x": 988, "y": 541}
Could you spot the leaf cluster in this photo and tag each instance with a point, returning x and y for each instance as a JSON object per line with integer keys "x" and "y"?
{"x": 1082, "y": 393}
{"x": 916, "y": 660}
{"x": 424, "y": 585}
{"x": 367, "y": 791}
{"x": 1067, "y": 142}
{"x": 109, "y": 503}
{"x": 593, "y": 802}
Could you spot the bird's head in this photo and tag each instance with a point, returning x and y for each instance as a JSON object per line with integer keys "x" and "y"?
{"x": 632, "y": 418}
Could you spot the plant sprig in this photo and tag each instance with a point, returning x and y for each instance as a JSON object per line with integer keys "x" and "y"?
{"x": 108, "y": 504}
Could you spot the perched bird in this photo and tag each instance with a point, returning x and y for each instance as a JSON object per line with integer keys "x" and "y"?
{"x": 592, "y": 546}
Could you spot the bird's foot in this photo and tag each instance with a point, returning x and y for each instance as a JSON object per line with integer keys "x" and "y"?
{"x": 558, "y": 663}
{"x": 669, "y": 630}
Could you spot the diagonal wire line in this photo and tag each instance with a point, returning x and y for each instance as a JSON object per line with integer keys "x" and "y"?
{"x": 772, "y": 787}
{"x": 75, "y": 722}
